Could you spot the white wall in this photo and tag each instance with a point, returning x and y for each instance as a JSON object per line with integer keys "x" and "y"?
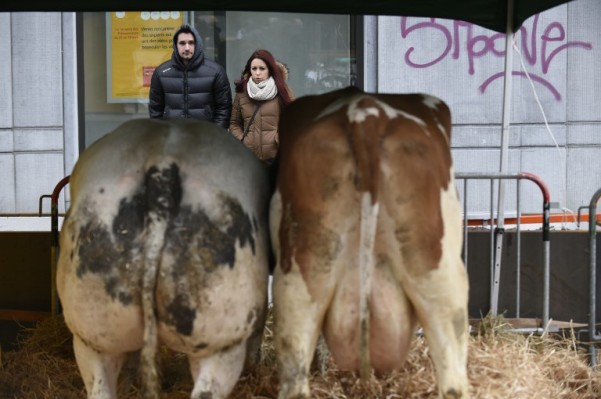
{"x": 32, "y": 122}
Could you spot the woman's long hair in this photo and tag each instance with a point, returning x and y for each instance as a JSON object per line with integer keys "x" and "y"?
{"x": 275, "y": 71}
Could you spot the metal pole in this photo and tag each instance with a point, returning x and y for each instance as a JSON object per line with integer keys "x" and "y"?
{"x": 518, "y": 243}
{"x": 546, "y": 243}
{"x": 54, "y": 246}
{"x": 546, "y": 264}
{"x": 494, "y": 287}
{"x": 465, "y": 224}
{"x": 507, "y": 89}
{"x": 580, "y": 208}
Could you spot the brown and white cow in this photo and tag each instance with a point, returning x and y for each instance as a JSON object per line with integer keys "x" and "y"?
{"x": 166, "y": 240}
{"x": 367, "y": 230}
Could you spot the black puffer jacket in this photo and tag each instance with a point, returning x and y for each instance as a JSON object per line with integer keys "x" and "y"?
{"x": 200, "y": 90}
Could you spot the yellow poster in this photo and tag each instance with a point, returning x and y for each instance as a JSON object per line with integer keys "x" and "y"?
{"x": 138, "y": 43}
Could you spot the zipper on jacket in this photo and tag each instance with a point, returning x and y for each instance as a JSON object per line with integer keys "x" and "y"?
{"x": 186, "y": 105}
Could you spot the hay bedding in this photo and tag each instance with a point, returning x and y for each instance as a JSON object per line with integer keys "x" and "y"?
{"x": 502, "y": 364}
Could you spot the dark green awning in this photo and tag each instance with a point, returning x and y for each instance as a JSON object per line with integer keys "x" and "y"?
{"x": 490, "y": 14}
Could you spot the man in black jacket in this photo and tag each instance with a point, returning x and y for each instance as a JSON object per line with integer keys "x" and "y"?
{"x": 189, "y": 85}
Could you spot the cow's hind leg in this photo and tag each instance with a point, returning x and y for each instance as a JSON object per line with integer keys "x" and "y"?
{"x": 297, "y": 328}
{"x": 99, "y": 371}
{"x": 440, "y": 300}
{"x": 215, "y": 376}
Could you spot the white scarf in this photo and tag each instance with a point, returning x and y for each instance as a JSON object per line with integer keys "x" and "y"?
{"x": 265, "y": 90}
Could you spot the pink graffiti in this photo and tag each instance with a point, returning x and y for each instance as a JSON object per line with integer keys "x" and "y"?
{"x": 478, "y": 46}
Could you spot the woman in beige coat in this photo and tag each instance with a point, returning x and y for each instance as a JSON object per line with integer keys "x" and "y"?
{"x": 261, "y": 93}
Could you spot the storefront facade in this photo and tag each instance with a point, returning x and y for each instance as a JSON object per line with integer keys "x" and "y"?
{"x": 72, "y": 77}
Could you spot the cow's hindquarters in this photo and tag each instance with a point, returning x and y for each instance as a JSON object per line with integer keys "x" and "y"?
{"x": 152, "y": 217}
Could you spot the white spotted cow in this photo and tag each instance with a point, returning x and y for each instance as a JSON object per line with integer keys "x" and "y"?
{"x": 166, "y": 241}
{"x": 367, "y": 230}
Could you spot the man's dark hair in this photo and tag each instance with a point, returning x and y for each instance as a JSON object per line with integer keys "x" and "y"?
{"x": 185, "y": 28}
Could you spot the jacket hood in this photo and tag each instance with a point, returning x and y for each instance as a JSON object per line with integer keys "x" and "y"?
{"x": 198, "y": 56}
{"x": 283, "y": 69}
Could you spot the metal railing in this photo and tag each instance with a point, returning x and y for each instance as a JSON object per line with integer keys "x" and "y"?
{"x": 54, "y": 240}
{"x": 496, "y": 236}
{"x": 497, "y": 231}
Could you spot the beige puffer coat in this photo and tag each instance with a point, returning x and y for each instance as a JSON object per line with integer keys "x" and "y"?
{"x": 263, "y": 136}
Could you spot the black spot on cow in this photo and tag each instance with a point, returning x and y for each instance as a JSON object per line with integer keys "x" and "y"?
{"x": 251, "y": 316}
{"x": 125, "y": 298}
{"x": 241, "y": 227}
{"x": 115, "y": 253}
{"x": 198, "y": 243}
{"x": 101, "y": 190}
{"x": 110, "y": 251}
{"x": 164, "y": 190}
{"x": 112, "y": 286}
{"x": 161, "y": 193}
{"x": 129, "y": 221}
{"x": 95, "y": 249}
{"x": 98, "y": 254}
{"x": 193, "y": 235}
{"x": 181, "y": 315}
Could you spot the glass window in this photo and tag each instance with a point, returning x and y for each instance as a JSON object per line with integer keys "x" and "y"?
{"x": 317, "y": 49}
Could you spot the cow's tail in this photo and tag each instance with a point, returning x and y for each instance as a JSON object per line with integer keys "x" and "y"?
{"x": 163, "y": 195}
{"x": 366, "y": 149}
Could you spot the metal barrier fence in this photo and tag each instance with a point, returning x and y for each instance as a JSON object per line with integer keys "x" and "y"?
{"x": 497, "y": 231}
{"x": 496, "y": 236}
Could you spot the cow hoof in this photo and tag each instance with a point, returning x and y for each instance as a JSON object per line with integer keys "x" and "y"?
{"x": 295, "y": 394}
{"x": 454, "y": 394}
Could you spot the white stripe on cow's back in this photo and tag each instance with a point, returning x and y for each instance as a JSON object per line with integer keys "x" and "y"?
{"x": 338, "y": 104}
{"x": 367, "y": 236}
{"x": 431, "y": 101}
{"x": 359, "y": 115}
{"x": 356, "y": 114}
{"x": 443, "y": 131}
